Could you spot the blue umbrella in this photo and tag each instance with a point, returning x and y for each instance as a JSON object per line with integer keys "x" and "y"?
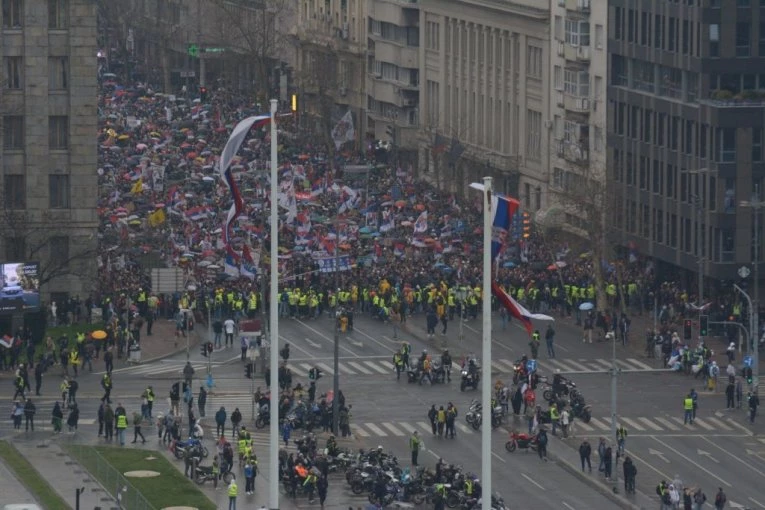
{"x": 509, "y": 264}
{"x": 365, "y": 230}
{"x": 586, "y": 306}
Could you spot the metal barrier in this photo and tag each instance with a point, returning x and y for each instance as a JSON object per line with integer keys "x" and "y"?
{"x": 126, "y": 496}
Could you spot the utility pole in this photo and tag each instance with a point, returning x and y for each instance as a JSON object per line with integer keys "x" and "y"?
{"x": 614, "y": 380}
{"x": 336, "y": 361}
{"x": 752, "y": 337}
{"x": 754, "y": 316}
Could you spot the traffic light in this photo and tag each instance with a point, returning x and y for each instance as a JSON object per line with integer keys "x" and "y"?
{"x": 748, "y": 374}
{"x": 526, "y": 222}
{"x": 248, "y": 369}
{"x": 203, "y": 349}
{"x": 207, "y": 349}
{"x": 703, "y": 325}
{"x": 687, "y": 329}
{"x": 203, "y": 94}
{"x": 294, "y": 102}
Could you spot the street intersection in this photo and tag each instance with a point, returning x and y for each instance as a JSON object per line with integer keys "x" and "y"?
{"x": 721, "y": 449}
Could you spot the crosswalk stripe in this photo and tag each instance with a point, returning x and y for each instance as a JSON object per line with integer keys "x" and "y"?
{"x": 377, "y": 430}
{"x": 359, "y": 367}
{"x": 678, "y": 421}
{"x": 388, "y": 365}
{"x": 568, "y": 365}
{"x": 306, "y": 367}
{"x": 703, "y": 424}
{"x": 624, "y": 365}
{"x": 509, "y": 365}
{"x": 639, "y": 363}
{"x": 600, "y": 425}
{"x": 297, "y": 370}
{"x": 650, "y": 424}
{"x": 463, "y": 428}
{"x": 632, "y": 424}
{"x": 409, "y": 428}
{"x": 359, "y": 431}
{"x": 718, "y": 423}
{"x": 584, "y": 426}
{"x": 377, "y": 367}
{"x": 741, "y": 427}
{"x": 425, "y": 426}
{"x": 345, "y": 370}
{"x": 604, "y": 363}
{"x": 392, "y": 428}
{"x": 667, "y": 423}
{"x": 326, "y": 368}
{"x": 499, "y": 367}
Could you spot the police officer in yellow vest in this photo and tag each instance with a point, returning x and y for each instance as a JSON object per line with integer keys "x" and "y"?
{"x": 252, "y": 305}
{"x": 233, "y": 492}
{"x": 122, "y": 424}
{"x": 554, "y": 416}
{"x": 688, "y": 408}
{"x": 74, "y": 360}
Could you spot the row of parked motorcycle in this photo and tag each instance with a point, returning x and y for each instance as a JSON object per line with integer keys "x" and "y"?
{"x": 385, "y": 482}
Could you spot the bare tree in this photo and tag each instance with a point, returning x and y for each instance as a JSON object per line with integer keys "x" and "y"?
{"x": 319, "y": 82}
{"x": 42, "y": 240}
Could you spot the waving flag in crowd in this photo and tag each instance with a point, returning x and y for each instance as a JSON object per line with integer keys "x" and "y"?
{"x": 224, "y": 168}
{"x": 516, "y": 309}
{"x": 421, "y": 225}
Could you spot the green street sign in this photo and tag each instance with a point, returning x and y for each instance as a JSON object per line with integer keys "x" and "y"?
{"x": 214, "y": 50}
{"x": 193, "y": 50}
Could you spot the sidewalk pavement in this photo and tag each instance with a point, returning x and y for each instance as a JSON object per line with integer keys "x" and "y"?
{"x": 12, "y": 489}
{"x": 163, "y": 343}
{"x": 64, "y": 474}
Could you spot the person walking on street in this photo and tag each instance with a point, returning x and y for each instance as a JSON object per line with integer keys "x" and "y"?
{"x": 106, "y": 384}
{"x": 137, "y": 421}
{"x": 29, "y": 415}
{"x": 220, "y": 422}
{"x": 730, "y": 393}
{"x": 202, "y": 401}
{"x": 39, "y": 369}
{"x": 542, "y": 444}
{"x": 108, "y": 423}
{"x": 188, "y": 374}
{"x": 585, "y": 450}
{"x": 720, "y": 499}
{"x": 432, "y": 417}
{"x": 754, "y": 403}
{"x": 321, "y": 487}
{"x": 602, "y": 455}
{"x": 415, "y": 444}
{"x": 630, "y": 472}
{"x": 621, "y": 439}
{"x": 550, "y": 339}
{"x": 57, "y": 418}
{"x": 233, "y": 492}
{"x": 607, "y": 462}
{"x": 121, "y": 423}
{"x": 688, "y": 409}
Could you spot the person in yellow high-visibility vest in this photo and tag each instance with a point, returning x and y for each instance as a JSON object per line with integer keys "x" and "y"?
{"x": 233, "y": 492}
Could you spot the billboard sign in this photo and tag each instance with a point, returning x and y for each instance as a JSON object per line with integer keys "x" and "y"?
{"x": 20, "y": 287}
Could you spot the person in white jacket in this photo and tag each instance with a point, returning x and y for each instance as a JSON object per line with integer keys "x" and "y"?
{"x": 674, "y": 497}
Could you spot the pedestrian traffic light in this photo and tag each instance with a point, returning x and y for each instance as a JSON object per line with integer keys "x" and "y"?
{"x": 526, "y": 222}
{"x": 748, "y": 374}
{"x": 687, "y": 329}
{"x": 248, "y": 370}
{"x": 703, "y": 325}
{"x": 203, "y": 350}
{"x": 203, "y": 94}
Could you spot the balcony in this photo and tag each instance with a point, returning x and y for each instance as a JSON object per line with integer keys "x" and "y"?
{"x": 577, "y": 53}
{"x": 576, "y": 103}
{"x": 573, "y": 152}
{"x": 396, "y": 53}
{"x": 582, "y": 6}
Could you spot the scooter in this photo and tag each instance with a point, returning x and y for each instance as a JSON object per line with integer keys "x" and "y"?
{"x": 204, "y": 474}
{"x": 469, "y": 380}
{"x": 179, "y": 447}
{"x": 522, "y": 441}
{"x": 581, "y": 411}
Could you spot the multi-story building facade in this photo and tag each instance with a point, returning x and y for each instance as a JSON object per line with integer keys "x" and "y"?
{"x": 393, "y": 73}
{"x": 685, "y": 129}
{"x": 48, "y": 107}
{"x": 579, "y": 73}
{"x": 485, "y": 69}
{"x": 331, "y": 40}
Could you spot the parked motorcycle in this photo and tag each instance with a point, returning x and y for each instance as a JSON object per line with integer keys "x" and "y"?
{"x": 205, "y": 473}
{"x": 522, "y": 441}
{"x": 581, "y": 411}
{"x": 179, "y": 448}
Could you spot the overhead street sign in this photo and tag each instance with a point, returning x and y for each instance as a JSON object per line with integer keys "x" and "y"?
{"x": 744, "y": 271}
{"x": 193, "y": 50}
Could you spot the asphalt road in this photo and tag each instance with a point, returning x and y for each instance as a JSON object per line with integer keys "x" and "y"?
{"x": 720, "y": 450}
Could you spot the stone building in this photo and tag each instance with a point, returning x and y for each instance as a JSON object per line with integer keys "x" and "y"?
{"x": 48, "y": 108}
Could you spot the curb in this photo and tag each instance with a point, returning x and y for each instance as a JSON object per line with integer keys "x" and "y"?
{"x": 606, "y": 491}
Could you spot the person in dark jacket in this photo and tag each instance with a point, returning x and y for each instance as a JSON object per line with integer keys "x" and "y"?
{"x": 220, "y": 422}
{"x": 630, "y": 472}
{"x": 29, "y": 414}
{"x": 201, "y": 401}
{"x": 585, "y": 450}
{"x": 57, "y": 418}
{"x": 74, "y": 418}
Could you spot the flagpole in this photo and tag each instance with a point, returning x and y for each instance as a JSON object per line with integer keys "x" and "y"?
{"x": 274, "y": 320}
{"x": 486, "y": 383}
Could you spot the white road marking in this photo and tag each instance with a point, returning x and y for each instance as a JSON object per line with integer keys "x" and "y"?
{"x": 463, "y": 428}
{"x": 326, "y": 368}
{"x": 703, "y": 424}
{"x": 345, "y": 370}
{"x": 527, "y": 477}
{"x": 688, "y": 459}
{"x": 392, "y": 428}
{"x": 631, "y": 423}
{"x": 359, "y": 431}
{"x": 377, "y": 430}
{"x": 667, "y": 423}
{"x": 376, "y": 367}
{"x": 650, "y": 424}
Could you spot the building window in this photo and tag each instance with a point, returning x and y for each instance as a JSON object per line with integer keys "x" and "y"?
{"x": 727, "y": 142}
{"x": 58, "y": 188}
{"x": 757, "y": 144}
{"x": 534, "y": 134}
{"x": 643, "y": 74}
{"x": 15, "y": 191}
{"x": 58, "y": 132}
{"x": 577, "y": 33}
{"x": 13, "y": 132}
{"x": 619, "y": 73}
{"x": 658, "y": 35}
{"x": 577, "y": 83}
{"x": 57, "y": 14}
{"x": 59, "y": 247}
{"x": 714, "y": 40}
{"x": 13, "y": 13}
{"x": 14, "y": 71}
{"x": 618, "y": 23}
{"x": 534, "y": 62}
{"x": 742, "y": 39}
{"x": 58, "y": 69}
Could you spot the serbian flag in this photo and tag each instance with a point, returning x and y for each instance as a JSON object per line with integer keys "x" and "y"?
{"x": 516, "y": 309}
{"x": 503, "y": 208}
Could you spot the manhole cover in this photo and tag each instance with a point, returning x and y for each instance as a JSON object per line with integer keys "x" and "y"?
{"x": 142, "y": 474}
